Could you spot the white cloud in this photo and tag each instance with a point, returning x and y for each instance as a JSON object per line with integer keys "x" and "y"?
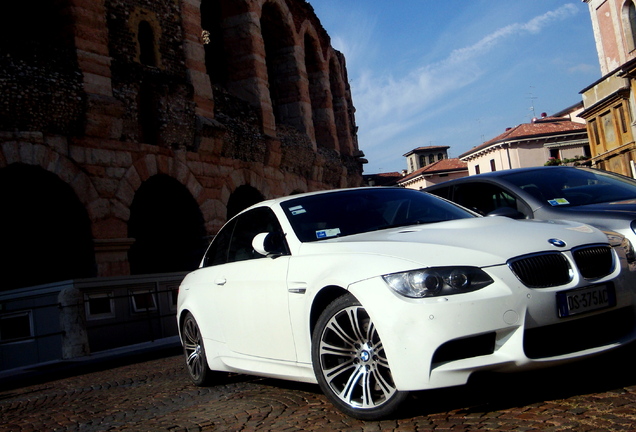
{"x": 387, "y": 106}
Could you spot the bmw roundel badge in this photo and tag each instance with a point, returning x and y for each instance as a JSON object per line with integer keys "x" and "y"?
{"x": 556, "y": 242}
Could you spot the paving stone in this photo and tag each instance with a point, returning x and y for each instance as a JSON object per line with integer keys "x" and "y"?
{"x": 156, "y": 395}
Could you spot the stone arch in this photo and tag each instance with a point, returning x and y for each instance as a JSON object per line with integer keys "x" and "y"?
{"x": 46, "y": 234}
{"x": 283, "y": 74}
{"x": 243, "y": 197}
{"x": 151, "y": 165}
{"x": 319, "y": 92}
{"x": 147, "y": 36}
{"x": 66, "y": 170}
{"x": 340, "y": 106}
{"x": 168, "y": 228}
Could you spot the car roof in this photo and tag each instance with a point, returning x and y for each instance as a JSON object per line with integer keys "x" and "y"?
{"x": 273, "y": 201}
{"x": 503, "y": 173}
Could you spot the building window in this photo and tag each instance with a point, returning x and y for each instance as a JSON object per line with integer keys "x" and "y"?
{"x": 440, "y": 156}
{"x": 16, "y": 326}
{"x": 620, "y": 111}
{"x": 431, "y": 159}
{"x": 493, "y": 167}
{"x": 477, "y": 169}
{"x": 100, "y": 306}
{"x": 629, "y": 24}
{"x": 143, "y": 300}
{"x": 609, "y": 132}
{"x": 146, "y": 39}
{"x": 422, "y": 161}
{"x": 595, "y": 135}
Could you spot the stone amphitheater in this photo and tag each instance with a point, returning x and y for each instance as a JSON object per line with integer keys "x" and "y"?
{"x": 130, "y": 130}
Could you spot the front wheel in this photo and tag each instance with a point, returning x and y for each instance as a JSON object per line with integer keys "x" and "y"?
{"x": 194, "y": 351}
{"x": 350, "y": 363}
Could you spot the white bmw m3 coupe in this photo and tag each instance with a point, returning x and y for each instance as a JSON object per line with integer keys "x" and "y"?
{"x": 375, "y": 292}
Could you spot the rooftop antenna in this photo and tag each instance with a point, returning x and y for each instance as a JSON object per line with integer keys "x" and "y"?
{"x": 532, "y": 98}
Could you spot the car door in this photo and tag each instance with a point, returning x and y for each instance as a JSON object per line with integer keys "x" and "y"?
{"x": 252, "y": 292}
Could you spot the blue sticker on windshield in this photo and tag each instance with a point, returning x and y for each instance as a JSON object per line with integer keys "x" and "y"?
{"x": 558, "y": 202}
{"x": 327, "y": 233}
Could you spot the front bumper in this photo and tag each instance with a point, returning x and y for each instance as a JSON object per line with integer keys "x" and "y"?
{"x": 439, "y": 342}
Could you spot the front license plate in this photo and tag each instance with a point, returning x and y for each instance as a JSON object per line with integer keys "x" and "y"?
{"x": 585, "y": 299}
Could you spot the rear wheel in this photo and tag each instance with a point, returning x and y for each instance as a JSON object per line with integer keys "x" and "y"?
{"x": 194, "y": 351}
{"x": 350, "y": 362}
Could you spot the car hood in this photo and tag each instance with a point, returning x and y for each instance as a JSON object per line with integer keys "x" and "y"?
{"x": 479, "y": 241}
{"x": 627, "y": 207}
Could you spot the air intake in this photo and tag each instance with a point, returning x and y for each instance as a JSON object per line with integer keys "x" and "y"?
{"x": 542, "y": 270}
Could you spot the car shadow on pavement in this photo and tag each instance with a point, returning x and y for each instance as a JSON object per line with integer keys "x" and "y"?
{"x": 487, "y": 392}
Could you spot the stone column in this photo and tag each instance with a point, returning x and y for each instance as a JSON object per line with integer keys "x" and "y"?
{"x": 73, "y": 323}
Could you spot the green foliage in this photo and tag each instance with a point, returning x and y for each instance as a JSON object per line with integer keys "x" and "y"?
{"x": 577, "y": 160}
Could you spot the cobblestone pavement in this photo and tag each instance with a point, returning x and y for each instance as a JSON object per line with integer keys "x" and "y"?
{"x": 156, "y": 395}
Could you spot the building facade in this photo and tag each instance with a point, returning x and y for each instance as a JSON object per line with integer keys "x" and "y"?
{"x": 130, "y": 130}
{"x": 610, "y": 102}
{"x": 530, "y": 144}
{"x": 422, "y": 156}
{"x": 434, "y": 173}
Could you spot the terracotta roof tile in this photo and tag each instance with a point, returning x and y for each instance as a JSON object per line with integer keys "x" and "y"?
{"x": 544, "y": 127}
{"x": 441, "y": 166}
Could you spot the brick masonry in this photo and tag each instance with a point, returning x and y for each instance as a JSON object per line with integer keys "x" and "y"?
{"x": 216, "y": 94}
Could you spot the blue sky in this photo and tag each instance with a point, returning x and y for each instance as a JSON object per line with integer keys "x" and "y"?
{"x": 456, "y": 72}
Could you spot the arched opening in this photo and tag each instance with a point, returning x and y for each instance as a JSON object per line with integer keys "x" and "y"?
{"x": 216, "y": 61}
{"x": 46, "y": 232}
{"x": 146, "y": 39}
{"x": 167, "y": 226}
{"x": 243, "y": 197}
{"x": 319, "y": 96}
{"x": 629, "y": 24}
{"x": 282, "y": 70}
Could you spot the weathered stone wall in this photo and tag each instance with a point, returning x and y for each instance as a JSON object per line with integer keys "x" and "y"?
{"x": 127, "y": 93}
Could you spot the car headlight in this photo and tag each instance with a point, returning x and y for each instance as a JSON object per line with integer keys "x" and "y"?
{"x": 618, "y": 240}
{"x": 437, "y": 281}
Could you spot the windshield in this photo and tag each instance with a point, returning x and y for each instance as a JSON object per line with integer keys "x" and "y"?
{"x": 343, "y": 213}
{"x": 574, "y": 187}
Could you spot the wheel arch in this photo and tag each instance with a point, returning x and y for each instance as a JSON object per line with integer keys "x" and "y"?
{"x": 321, "y": 301}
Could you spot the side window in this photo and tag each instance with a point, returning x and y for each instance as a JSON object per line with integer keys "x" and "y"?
{"x": 443, "y": 192}
{"x": 480, "y": 197}
{"x": 249, "y": 224}
{"x": 218, "y": 251}
{"x": 484, "y": 198}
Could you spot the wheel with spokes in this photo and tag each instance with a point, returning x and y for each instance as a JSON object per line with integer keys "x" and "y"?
{"x": 194, "y": 351}
{"x": 350, "y": 362}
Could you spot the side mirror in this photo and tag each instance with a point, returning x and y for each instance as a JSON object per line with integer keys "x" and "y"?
{"x": 269, "y": 244}
{"x": 508, "y": 212}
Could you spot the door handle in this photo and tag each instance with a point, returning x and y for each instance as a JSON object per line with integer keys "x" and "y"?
{"x": 220, "y": 281}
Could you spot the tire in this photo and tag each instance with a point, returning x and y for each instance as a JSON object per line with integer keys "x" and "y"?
{"x": 350, "y": 363}
{"x": 194, "y": 351}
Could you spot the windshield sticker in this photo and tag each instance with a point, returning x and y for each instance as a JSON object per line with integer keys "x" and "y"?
{"x": 297, "y": 210}
{"x": 327, "y": 233}
{"x": 558, "y": 201}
